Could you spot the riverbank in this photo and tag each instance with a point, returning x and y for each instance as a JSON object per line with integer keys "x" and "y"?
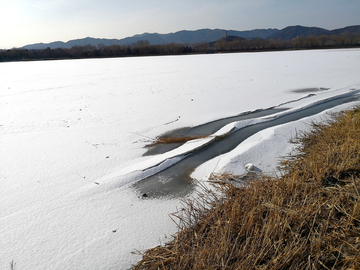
{"x": 307, "y": 218}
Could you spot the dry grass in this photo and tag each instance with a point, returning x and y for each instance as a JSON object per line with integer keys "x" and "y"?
{"x": 307, "y": 219}
{"x": 169, "y": 140}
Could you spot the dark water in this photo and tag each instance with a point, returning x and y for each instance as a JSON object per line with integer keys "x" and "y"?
{"x": 175, "y": 181}
{"x": 205, "y": 129}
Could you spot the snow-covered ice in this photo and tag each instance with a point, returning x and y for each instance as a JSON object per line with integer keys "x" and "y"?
{"x": 72, "y": 137}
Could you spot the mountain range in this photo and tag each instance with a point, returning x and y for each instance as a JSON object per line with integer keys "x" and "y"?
{"x": 291, "y": 32}
{"x": 182, "y": 37}
{"x": 202, "y": 35}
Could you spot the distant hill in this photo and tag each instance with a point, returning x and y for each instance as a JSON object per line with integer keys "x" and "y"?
{"x": 347, "y": 30}
{"x": 227, "y": 39}
{"x": 183, "y": 37}
{"x": 291, "y": 32}
{"x": 203, "y": 35}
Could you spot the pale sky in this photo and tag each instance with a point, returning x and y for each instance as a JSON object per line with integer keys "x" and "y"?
{"x": 33, "y": 21}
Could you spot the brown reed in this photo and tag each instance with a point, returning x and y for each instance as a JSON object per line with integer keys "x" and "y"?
{"x": 169, "y": 140}
{"x": 309, "y": 218}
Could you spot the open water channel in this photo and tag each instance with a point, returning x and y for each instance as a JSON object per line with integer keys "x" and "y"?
{"x": 175, "y": 181}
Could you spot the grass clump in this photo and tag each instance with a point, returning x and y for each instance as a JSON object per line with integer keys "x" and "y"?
{"x": 307, "y": 219}
{"x": 169, "y": 140}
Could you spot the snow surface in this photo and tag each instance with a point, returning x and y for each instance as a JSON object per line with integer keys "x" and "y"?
{"x": 72, "y": 136}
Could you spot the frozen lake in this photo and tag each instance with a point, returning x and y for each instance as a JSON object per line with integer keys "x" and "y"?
{"x": 73, "y": 136}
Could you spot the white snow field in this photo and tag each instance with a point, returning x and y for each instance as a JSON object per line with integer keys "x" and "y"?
{"x": 72, "y": 137}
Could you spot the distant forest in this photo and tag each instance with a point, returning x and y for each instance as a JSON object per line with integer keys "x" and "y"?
{"x": 144, "y": 48}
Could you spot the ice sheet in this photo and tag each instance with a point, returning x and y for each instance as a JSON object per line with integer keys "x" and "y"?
{"x": 72, "y": 135}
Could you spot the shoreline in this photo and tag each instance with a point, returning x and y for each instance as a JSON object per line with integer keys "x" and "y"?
{"x": 312, "y": 208}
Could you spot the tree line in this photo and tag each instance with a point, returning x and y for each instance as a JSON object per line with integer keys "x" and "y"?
{"x": 300, "y": 42}
{"x": 143, "y": 48}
